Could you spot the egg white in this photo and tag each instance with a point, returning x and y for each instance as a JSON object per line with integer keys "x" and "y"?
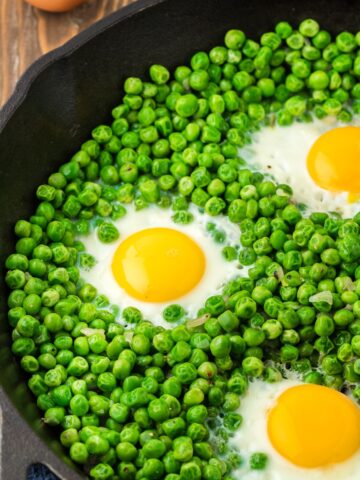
{"x": 252, "y": 437}
{"x": 281, "y": 152}
{"x": 218, "y": 271}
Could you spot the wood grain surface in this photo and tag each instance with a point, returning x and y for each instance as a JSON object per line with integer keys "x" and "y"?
{"x": 26, "y": 33}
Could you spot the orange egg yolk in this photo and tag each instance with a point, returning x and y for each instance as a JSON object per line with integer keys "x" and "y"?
{"x": 158, "y": 264}
{"x": 314, "y": 426}
{"x": 334, "y": 161}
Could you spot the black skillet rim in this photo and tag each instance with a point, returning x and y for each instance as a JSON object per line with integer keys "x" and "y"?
{"x": 26, "y": 80}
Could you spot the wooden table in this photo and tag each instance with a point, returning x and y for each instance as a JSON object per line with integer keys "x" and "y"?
{"x": 26, "y": 33}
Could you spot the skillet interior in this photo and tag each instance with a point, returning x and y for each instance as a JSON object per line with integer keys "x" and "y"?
{"x": 62, "y": 97}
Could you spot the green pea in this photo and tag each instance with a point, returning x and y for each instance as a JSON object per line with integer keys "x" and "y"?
{"x": 258, "y": 460}
{"x": 54, "y": 416}
{"x": 102, "y": 471}
{"x": 245, "y": 307}
{"x": 185, "y": 372}
{"x": 61, "y": 395}
{"x": 126, "y": 451}
{"x": 79, "y": 453}
{"x": 153, "y": 469}
{"x": 158, "y": 410}
{"x": 253, "y": 366}
{"x": 29, "y": 363}
{"x": 107, "y": 232}
{"x": 324, "y": 325}
{"x": 331, "y": 365}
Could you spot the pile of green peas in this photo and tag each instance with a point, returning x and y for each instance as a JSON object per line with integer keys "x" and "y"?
{"x": 146, "y": 403}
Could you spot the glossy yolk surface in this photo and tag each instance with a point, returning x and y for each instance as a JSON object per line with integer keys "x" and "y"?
{"x": 314, "y": 426}
{"x": 334, "y": 161}
{"x": 158, "y": 264}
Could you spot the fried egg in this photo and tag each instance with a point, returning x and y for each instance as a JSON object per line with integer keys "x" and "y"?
{"x": 307, "y": 431}
{"x": 320, "y": 160}
{"x": 156, "y": 262}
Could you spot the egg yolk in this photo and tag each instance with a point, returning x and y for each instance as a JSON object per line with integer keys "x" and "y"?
{"x": 314, "y": 426}
{"x": 334, "y": 161}
{"x": 158, "y": 264}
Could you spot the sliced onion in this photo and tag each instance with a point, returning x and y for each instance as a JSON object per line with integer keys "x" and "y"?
{"x": 87, "y": 331}
{"x": 281, "y": 193}
{"x": 198, "y": 321}
{"x": 325, "y": 296}
{"x": 129, "y": 335}
{"x": 279, "y": 273}
{"x": 349, "y": 285}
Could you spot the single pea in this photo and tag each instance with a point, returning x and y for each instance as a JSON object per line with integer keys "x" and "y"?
{"x": 153, "y": 469}
{"x": 54, "y": 416}
{"x": 283, "y": 29}
{"x": 324, "y": 325}
{"x": 107, "y": 232}
{"x": 158, "y": 410}
{"x": 234, "y": 39}
{"x": 254, "y": 336}
{"x": 258, "y": 460}
{"x": 331, "y": 365}
{"x": 245, "y": 307}
{"x": 126, "y": 451}
{"x": 355, "y": 344}
{"x": 79, "y": 453}
{"x": 253, "y": 366}
{"x": 220, "y": 346}
{"x": 30, "y": 364}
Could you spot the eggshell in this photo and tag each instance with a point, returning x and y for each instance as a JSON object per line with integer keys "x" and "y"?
{"x": 55, "y": 5}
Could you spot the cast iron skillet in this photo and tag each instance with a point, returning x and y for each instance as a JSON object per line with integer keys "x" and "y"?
{"x": 57, "y": 103}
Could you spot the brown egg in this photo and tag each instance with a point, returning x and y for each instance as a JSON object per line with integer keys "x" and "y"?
{"x": 55, "y": 5}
